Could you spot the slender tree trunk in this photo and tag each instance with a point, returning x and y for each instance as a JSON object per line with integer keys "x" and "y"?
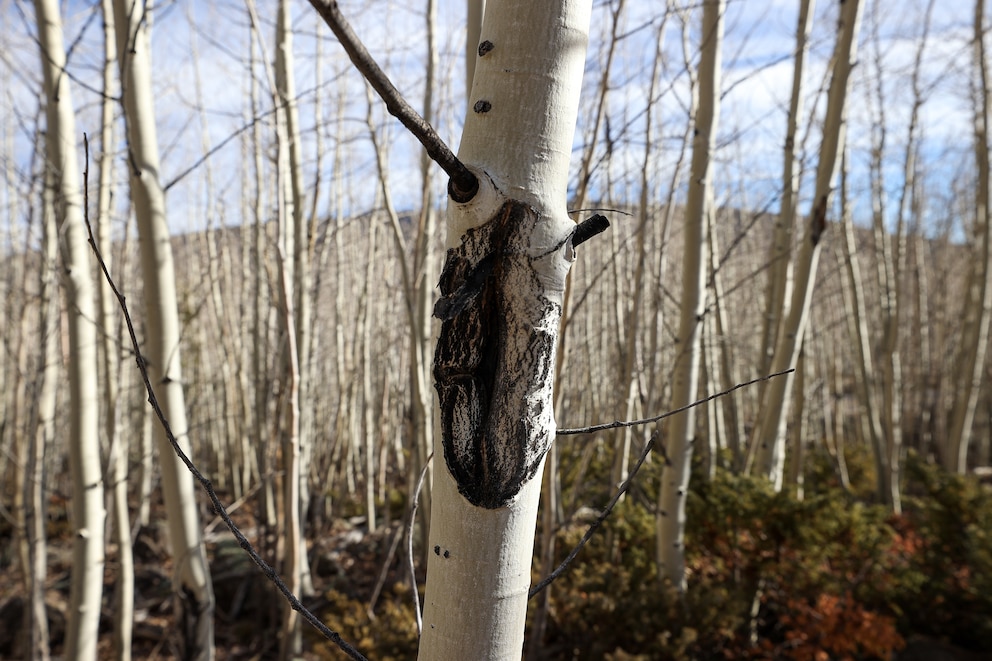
{"x": 680, "y": 434}
{"x": 35, "y": 515}
{"x": 290, "y": 231}
{"x": 770, "y": 432}
{"x": 860, "y": 339}
{"x": 978, "y": 310}
{"x": 88, "y": 510}
{"x": 302, "y": 256}
{"x": 295, "y": 549}
{"x": 422, "y": 282}
{"x": 780, "y": 272}
{"x": 497, "y": 424}
{"x": 195, "y": 601}
{"x": 110, "y": 341}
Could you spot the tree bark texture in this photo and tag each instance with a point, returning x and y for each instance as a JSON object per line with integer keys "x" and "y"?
{"x": 770, "y": 433}
{"x": 509, "y": 250}
{"x": 195, "y": 600}
{"x": 88, "y": 511}
{"x": 681, "y": 429}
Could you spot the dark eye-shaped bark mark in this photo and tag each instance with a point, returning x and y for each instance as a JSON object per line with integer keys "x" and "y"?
{"x": 494, "y": 359}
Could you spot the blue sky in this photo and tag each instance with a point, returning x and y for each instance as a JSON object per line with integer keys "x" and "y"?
{"x": 757, "y": 76}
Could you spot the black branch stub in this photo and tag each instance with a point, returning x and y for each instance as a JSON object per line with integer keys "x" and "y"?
{"x": 482, "y": 106}
{"x": 494, "y": 362}
{"x": 485, "y": 47}
{"x": 589, "y": 228}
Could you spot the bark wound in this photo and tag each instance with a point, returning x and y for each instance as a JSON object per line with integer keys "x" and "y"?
{"x": 482, "y": 106}
{"x": 494, "y": 358}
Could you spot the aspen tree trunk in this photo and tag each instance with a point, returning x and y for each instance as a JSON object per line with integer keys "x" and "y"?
{"x": 887, "y": 276}
{"x": 978, "y": 310}
{"x": 290, "y": 639}
{"x": 110, "y": 341}
{"x": 88, "y": 510}
{"x": 35, "y": 516}
{"x": 891, "y": 359}
{"x": 194, "y": 601}
{"x": 800, "y": 432}
{"x": 680, "y": 433}
{"x": 780, "y": 273}
{"x": 730, "y": 404}
{"x": 297, "y": 265}
{"x": 475, "y": 11}
{"x": 497, "y": 420}
{"x": 260, "y": 324}
{"x": 423, "y": 285}
{"x": 857, "y": 317}
{"x": 299, "y": 259}
{"x": 770, "y": 431}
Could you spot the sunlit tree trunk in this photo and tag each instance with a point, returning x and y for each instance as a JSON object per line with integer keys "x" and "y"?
{"x": 301, "y": 260}
{"x": 110, "y": 341}
{"x": 770, "y": 431}
{"x": 195, "y": 601}
{"x": 35, "y": 515}
{"x": 680, "y": 432}
{"x": 292, "y": 252}
{"x": 88, "y": 510}
{"x": 891, "y": 359}
{"x": 518, "y": 138}
{"x": 860, "y": 338}
{"x": 422, "y": 284}
{"x": 978, "y": 300}
{"x": 780, "y": 253}
{"x": 475, "y": 11}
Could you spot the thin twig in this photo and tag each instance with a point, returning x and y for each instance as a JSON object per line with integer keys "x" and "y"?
{"x": 463, "y": 185}
{"x": 414, "y": 591}
{"x": 602, "y": 517}
{"x": 383, "y": 573}
{"x": 633, "y": 423}
{"x": 219, "y": 508}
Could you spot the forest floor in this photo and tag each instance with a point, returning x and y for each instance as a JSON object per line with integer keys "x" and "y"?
{"x": 347, "y": 560}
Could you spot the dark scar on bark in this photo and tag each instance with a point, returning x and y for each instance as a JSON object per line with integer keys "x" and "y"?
{"x": 495, "y": 350}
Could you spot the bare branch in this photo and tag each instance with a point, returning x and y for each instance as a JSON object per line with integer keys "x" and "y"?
{"x": 632, "y": 423}
{"x": 462, "y": 185}
{"x": 219, "y": 508}
{"x": 550, "y": 578}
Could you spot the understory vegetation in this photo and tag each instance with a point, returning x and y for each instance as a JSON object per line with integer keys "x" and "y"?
{"x": 833, "y": 575}
{"x": 830, "y": 576}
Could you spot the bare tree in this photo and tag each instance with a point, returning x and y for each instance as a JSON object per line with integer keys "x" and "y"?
{"x": 194, "y": 593}
{"x": 770, "y": 432}
{"x": 978, "y": 300}
{"x": 88, "y": 511}
{"x": 681, "y": 429}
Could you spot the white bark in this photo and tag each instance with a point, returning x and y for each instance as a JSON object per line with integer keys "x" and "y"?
{"x": 978, "y": 311}
{"x": 770, "y": 432}
{"x": 88, "y": 511}
{"x": 681, "y": 430}
{"x": 110, "y": 338}
{"x": 518, "y": 138}
{"x": 780, "y": 271}
{"x": 857, "y": 323}
{"x": 191, "y": 580}
{"x": 35, "y": 517}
